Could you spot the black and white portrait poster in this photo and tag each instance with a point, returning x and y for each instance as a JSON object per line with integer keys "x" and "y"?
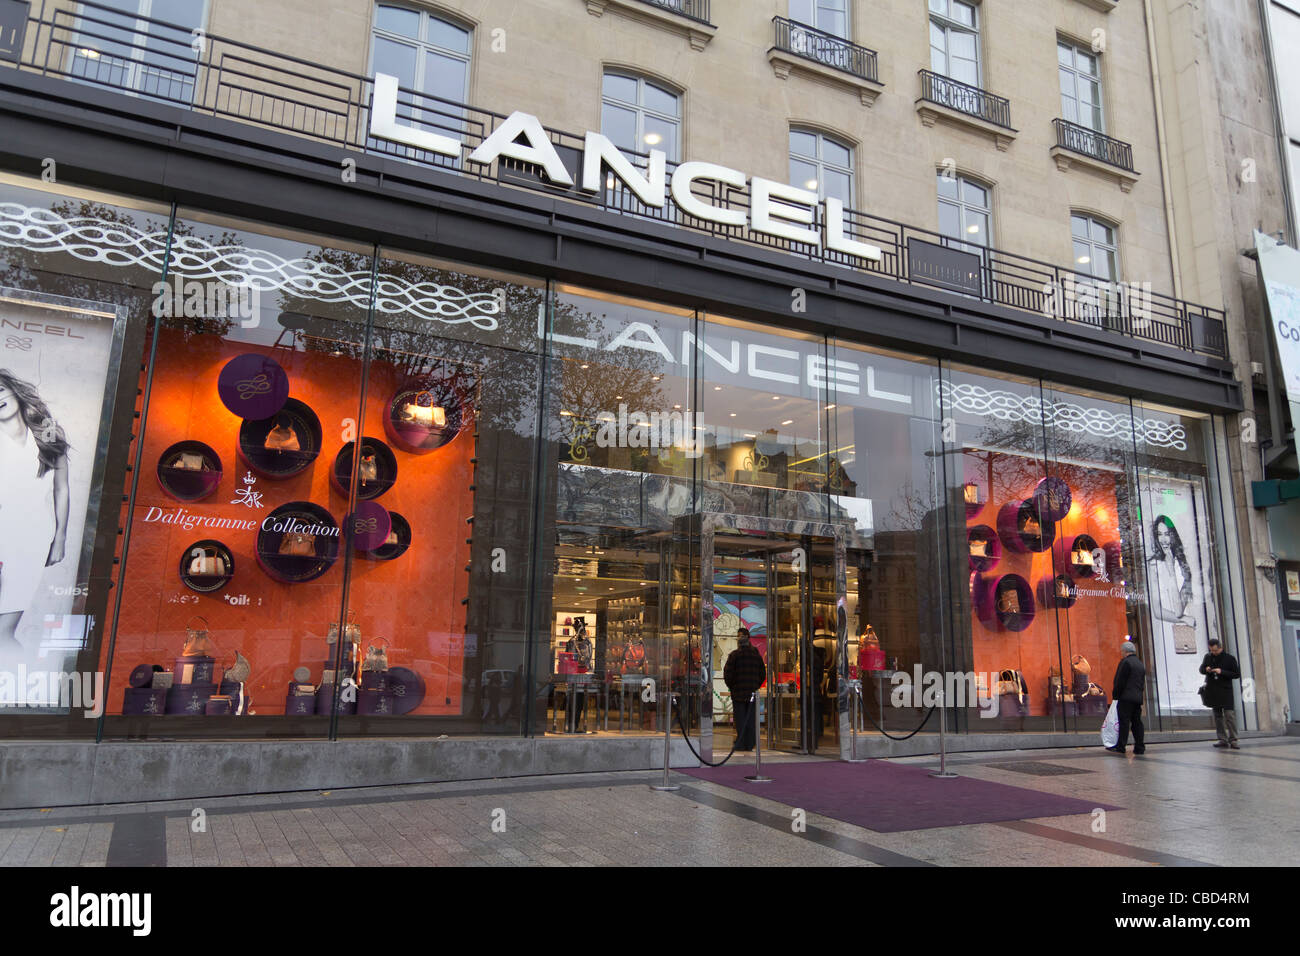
{"x": 55, "y": 359}
{"x": 1180, "y": 587}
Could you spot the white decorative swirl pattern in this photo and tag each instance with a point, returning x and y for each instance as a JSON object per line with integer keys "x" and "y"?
{"x": 115, "y": 244}
{"x": 1066, "y": 416}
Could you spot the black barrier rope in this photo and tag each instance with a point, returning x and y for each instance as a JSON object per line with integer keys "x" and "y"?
{"x": 919, "y": 728}
{"x": 739, "y": 733}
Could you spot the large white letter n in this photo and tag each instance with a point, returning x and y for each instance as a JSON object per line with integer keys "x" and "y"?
{"x": 383, "y": 122}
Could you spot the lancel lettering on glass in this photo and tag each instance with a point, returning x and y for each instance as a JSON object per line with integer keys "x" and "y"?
{"x": 776, "y": 209}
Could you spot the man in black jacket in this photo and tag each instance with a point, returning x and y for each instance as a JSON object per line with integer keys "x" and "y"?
{"x": 1220, "y": 670}
{"x": 744, "y": 673}
{"x": 1130, "y": 684}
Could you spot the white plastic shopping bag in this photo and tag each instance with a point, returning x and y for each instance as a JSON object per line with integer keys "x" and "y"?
{"x": 1110, "y": 726}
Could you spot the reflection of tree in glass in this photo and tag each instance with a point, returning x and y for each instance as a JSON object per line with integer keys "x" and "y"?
{"x": 61, "y": 273}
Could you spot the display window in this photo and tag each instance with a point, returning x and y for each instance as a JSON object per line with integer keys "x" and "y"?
{"x": 76, "y": 270}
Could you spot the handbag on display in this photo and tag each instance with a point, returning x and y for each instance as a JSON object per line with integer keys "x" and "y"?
{"x": 1082, "y": 558}
{"x": 209, "y": 562}
{"x": 282, "y": 438}
{"x": 1063, "y": 590}
{"x": 972, "y": 494}
{"x": 1081, "y": 671}
{"x": 1032, "y": 528}
{"x": 979, "y": 548}
{"x": 190, "y": 462}
{"x": 376, "y": 659}
{"x": 1184, "y": 639}
{"x": 351, "y": 630}
{"x": 298, "y": 544}
{"x": 391, "y": 539}
{"x": 1013, "y": 682}
{"x": 424, "y": 412}
{"x": 1009, "y": 601}
{"x": 197, "y": 642}
{"x": 369, "y": 470}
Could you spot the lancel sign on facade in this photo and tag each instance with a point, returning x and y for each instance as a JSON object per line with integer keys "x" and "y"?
{"x": 776, "y": 209}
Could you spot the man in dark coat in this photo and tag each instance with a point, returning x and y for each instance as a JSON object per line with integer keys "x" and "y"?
{"x": 744, "y": 673}
{"x": 1220, "y": 670}
{"x": 1130, "y": 684}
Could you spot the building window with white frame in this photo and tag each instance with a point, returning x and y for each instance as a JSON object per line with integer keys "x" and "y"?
{"x": 430, "y": 56}
{"x": 966, "y": 218}
{"x": 829, "y": 16}
{"x": 954, "y": 40}
{"x": 142, "y": 46}
{"x": 1079, "y": 70}
{"x": 822, "y": 165}
{"x": 638, "y": 115}
{"x": 1095, "y": 251}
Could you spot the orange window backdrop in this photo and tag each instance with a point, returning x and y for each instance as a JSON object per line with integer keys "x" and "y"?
{"x": 1096, "y": 624}
{"x": 413, "y": 602}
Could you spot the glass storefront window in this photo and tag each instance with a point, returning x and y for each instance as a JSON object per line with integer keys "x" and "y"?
{"x": 76, "y": 279}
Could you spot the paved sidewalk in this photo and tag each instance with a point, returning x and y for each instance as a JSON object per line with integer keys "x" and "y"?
{"x": 1183, "y": 805}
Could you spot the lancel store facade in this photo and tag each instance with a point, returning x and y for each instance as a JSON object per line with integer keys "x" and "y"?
{"x": 511, "y": 433}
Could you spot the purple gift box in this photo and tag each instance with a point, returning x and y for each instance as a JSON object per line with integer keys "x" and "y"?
{"x": 325, "y": 701}
{"x": 189, "y": 699}
{"x": 144, "y": 701}
{"x": 374, "y": 680}
{"x": 218, "y": 707}
{"x": 296, "y": 705}
{"x": 374, "y": 703}
{"x": 194, "y": 670}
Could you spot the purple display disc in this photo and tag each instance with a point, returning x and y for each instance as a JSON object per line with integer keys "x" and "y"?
{"x": 253, "y": 386}
{"x": 370, "y": 525}
{"x": 142, "y": 676}
{"x": 407, "y": 688}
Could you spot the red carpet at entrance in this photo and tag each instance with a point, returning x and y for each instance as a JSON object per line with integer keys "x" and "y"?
{"x": 889, "y": 797}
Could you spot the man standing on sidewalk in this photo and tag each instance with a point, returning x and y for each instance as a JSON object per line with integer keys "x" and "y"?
{"x": 1220, "y": 670}
{"x": 744, "y": 673}
{"x": 1130, "y": 684}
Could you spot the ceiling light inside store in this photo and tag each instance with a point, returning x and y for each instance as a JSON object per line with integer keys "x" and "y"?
{"x": 776, "y": 398}
{"x": 733, "y": 414}
{"x": 609, "y": 182}
{"x": 717, "y": 388}
{"x": 1083, "y": 260}
{"x": 584, "y": 366}
{"x": 677, "y": 407}
{"x": 829, "y": 407}
{"x": 788, "y": 421}
{"x": 570, "y": 414}
{"x": 810, "y": 184}
{"x": 89, "y": 54}
{"x": 653, "y": 139}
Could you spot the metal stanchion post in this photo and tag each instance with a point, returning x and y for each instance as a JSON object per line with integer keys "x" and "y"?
{"x": 943, "y": 772}
{"x": 668, "y": 740}
{"x": 855, "y": 707}
{"x": 757, "y": 776}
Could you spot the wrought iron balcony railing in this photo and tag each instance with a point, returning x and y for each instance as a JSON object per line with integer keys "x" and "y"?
{"x": 965, "y": 99}
{"x": 229, "y": 78}
{"x": 1080, "y": 139}
{"x": 692, "y": 9}
{"x": 825, "y": 48}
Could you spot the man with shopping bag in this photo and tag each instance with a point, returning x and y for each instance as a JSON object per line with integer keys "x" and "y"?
{"x": 1130, "y": 684}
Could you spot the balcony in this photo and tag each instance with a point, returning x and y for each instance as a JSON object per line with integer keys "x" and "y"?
{"x": 272, "y": 93}
{"x": 689, "y": 18}
{"x": 963, "y": 105}
{"x": 1078, "y": 145}
{"x": 824, "y": 58}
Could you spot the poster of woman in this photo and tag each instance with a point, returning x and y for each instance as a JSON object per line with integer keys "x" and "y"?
{"x": 55, "y": 358}
{"x": 1180, "y": 588}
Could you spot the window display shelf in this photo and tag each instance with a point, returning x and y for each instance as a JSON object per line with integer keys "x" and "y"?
{"x": 1078, "y": 555}
{"x": 1006, "y": 602}
{"x": 985, "y": 548}
{"x": 277, "y": 463}
{"x": 424, "y": 415}
{"x": 1023, "y": 529}
{"x": 189, "y": 471}
{"x": 318, "y": 531}
{"x": 401, "y": 529}
{"x": 369, "y": 485}
{"x": 1053, "y": 499}
{"x": 207, "y": 566}
{"x": 1059, "y": 592}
